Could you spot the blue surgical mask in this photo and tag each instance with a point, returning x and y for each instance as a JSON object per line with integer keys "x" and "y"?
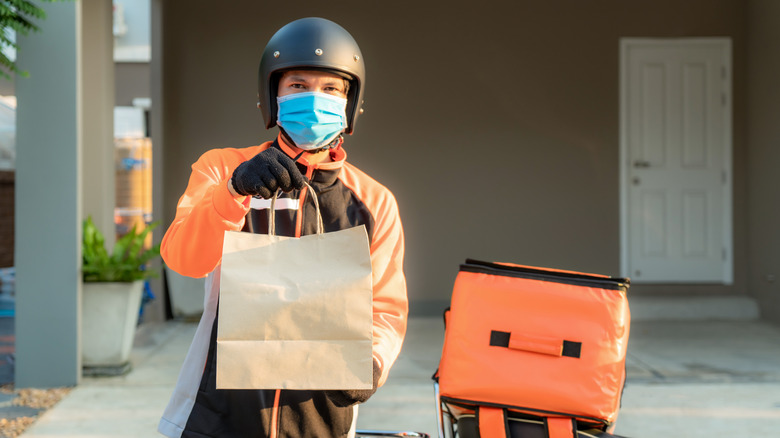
{"x": 312, "y": 119}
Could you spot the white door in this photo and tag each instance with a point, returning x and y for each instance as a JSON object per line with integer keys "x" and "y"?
{"x": 676, "y": 160}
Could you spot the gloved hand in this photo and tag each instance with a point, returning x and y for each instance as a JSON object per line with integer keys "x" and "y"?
{"x": 348, "y": 397}
{"x": 266, "y": 172}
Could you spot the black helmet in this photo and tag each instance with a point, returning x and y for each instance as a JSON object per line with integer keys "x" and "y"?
{"x": 311, "y": 43}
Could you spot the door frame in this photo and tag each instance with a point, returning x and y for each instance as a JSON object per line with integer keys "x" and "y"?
{"x": 625, "y": 45}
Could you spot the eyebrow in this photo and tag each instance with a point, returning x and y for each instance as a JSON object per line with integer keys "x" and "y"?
{"x": 296, "y": 78}
{"x": 333, "y": 82}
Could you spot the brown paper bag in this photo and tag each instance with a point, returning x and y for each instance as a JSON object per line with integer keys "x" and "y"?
{"x": 295, "y": 313}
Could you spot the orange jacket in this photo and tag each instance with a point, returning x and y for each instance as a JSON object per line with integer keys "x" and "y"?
{"x": 192, "y": 245}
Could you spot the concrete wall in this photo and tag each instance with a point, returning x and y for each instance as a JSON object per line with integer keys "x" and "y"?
{"x": 764, "y": 155}
{"x": 495, "y": 123}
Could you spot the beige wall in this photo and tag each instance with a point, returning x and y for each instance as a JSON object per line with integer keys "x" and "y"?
{"x": 495, "y": 123}
{"x": 133, "y": 79}
{"x": 764, "y": 155}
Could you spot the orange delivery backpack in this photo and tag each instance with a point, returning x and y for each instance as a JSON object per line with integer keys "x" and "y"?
{"x": 534, "y": 344}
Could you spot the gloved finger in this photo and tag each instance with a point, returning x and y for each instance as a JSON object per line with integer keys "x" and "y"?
{"x": 245, "y": 183}
{"x": 238, "y": 186}
{"x": 268, "y": 186}
{"x": 295, "y": 176}
{"x": 262, "y": 191}
{"x": 344, "y": 398}
{"x": 281, "y": 174}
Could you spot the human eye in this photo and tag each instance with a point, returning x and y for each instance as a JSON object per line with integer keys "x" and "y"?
{"x": 334, "y": 90}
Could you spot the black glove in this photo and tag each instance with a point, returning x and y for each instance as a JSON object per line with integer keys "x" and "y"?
{"x": 265, "y": 173}
{"x": 348, "y": 397}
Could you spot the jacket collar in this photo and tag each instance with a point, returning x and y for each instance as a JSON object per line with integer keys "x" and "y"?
{"x": 324, "y": 173}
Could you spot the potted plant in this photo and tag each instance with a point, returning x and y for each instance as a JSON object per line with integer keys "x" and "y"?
{"x": 111, "y": 297}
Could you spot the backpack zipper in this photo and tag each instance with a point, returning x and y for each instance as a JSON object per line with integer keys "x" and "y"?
{"x": 533, "y": 273}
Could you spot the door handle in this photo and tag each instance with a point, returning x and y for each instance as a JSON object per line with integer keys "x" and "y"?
{"x": 639, "y": 164}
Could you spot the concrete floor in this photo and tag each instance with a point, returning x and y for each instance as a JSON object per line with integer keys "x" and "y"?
{"x": 686, "y": 379}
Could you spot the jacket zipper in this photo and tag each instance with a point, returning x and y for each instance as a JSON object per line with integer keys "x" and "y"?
{"x": 299, "y": 215}
{"x": 302, "y": 197}
{"x": 275, "y": 415}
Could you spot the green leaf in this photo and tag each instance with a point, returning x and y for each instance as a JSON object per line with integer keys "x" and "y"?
{"x": 121, "y": 246}
{"x": 18, "y": 16}
{"x": 128, "y": 260}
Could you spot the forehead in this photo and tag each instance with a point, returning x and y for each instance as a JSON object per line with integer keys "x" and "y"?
{"x": 311, "y": 75}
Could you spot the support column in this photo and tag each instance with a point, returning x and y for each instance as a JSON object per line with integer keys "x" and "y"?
{"x": 64, "y": 169}
{"x": 48, "y": 202}
{"x": 157, "y": 130}
{"x": 97, "y": 121}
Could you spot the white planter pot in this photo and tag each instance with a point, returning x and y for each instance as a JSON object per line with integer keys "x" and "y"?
{"x": 186, "y": 294}
{"x": 109, "y": 316}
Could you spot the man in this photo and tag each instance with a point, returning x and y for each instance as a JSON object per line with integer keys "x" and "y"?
{"x": 311, "y": 83}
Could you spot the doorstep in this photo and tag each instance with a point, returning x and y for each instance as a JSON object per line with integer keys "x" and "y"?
{"x": 693, "y": 308}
